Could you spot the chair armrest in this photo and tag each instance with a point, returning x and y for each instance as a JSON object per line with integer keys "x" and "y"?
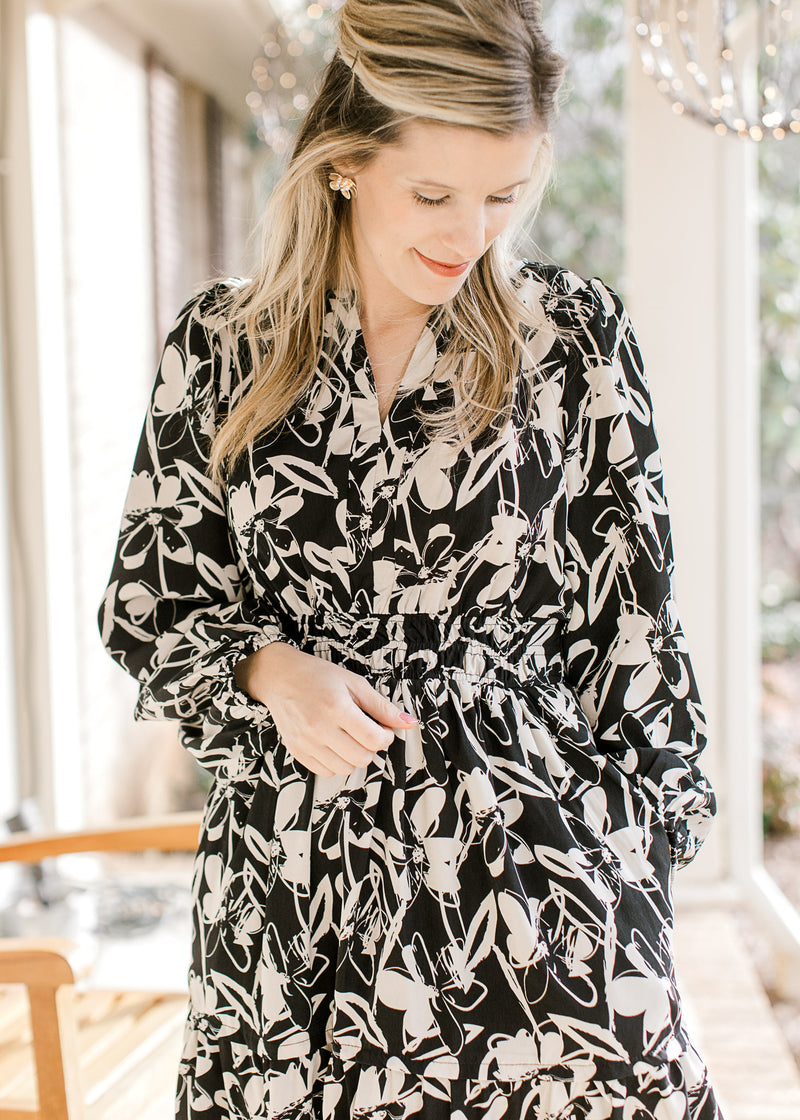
{"x": 43, "y": 962}
{"x": 174, "y": 832}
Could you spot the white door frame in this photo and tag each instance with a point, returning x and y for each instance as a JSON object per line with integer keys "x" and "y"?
{"x": 692, "y": 278}
{"x": 36, "y": 386}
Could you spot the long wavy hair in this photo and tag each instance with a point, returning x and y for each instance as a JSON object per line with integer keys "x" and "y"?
{"x": 483, "y": 64}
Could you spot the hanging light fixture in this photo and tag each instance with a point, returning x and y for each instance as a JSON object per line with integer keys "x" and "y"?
{"x": 285, "y": 74}
{"x": 733, "y": 64}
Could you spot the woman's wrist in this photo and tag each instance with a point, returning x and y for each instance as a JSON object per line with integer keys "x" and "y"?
{"x": 249, "y": 670}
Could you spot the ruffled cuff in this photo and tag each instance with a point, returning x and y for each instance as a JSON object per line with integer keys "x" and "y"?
{"x": 194, "y": 674}
{"x": 680, "y": 793}
{"x": 231, "y": 702}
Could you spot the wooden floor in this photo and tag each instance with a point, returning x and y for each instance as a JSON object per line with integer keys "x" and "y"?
{"x": 137, "y": 1035}
{"x": 730, "y": 1018}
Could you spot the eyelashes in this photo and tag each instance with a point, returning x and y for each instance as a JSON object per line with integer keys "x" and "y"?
{"x": 423, "y": 201}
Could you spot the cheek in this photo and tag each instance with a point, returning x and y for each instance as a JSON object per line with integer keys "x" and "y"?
{"x": 416, "y": 222}
{"x": 499, "y": 218}
{"x": 396, "y": 228}
{"x": 418, "y": 230}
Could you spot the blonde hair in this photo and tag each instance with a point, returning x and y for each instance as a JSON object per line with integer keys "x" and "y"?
{"x": 484, "y": 64}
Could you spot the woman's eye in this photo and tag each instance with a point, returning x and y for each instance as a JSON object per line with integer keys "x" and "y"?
{"x": 424, "y": 201}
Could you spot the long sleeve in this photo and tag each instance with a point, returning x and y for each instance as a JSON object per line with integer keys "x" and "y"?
{"x": 625, "y": 652}
{"x": 178, "y": 612}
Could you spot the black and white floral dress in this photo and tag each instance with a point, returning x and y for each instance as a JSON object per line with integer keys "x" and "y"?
{"x": 478, "y": 923}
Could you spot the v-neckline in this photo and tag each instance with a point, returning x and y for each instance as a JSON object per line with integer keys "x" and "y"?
{"x": 424, "y": 341}
{"x": 401, "y": 381}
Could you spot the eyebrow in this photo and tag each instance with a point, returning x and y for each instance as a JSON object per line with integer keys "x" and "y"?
{"x": 443, "y": 187}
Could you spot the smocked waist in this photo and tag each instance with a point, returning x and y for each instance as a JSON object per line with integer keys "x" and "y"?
{"x": 414, "y": 646}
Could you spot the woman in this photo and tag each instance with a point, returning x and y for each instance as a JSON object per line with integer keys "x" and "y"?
{"x": 396, "y": 553}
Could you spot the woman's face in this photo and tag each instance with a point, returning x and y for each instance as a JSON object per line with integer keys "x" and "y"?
{"x": 444, "y": 194}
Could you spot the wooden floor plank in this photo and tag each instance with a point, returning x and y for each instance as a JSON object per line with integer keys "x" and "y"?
{"x": 148, "y": 1029}
{"x": 144, "y": 1098}
{"x": 125, "y": 1040}
{"x": 731, "y": 1020}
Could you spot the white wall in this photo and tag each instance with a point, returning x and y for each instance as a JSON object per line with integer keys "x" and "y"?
{"x": 31, "y": 661}
{"x": 9, "y": 771}
{"x": 79, "y": 356}
{"x": 692, "y": 278}
{"x": 109, "y": 302}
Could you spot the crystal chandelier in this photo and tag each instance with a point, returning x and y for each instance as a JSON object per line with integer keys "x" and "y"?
{"x": 295, "y": 51}
{"x": 734, "y": 64}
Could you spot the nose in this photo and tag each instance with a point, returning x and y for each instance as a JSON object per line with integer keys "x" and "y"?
{"x": 467, "y": 237}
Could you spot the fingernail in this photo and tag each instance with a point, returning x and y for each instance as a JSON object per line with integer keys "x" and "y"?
{"x": 408, "y": 718}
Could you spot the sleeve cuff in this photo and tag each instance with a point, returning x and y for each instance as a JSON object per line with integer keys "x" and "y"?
{"x": 682, "y": 797}
{"x": 207, "y": 686}
{"x": 232, "y": 702}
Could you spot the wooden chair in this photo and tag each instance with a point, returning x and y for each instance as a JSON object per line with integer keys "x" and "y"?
{"x": 77, "y": 1054}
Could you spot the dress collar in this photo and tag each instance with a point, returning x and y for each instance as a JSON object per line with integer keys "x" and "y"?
{"x": 344, "y": 322}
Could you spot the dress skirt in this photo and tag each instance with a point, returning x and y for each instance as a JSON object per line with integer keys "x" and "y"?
{"x": 325, "y": 1087}
{"x": 228, "y": 1073}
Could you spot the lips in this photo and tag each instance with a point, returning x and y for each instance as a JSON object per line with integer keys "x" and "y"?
{"x": 441, "y": 268}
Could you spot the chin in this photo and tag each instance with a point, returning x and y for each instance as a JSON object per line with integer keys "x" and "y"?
{"x": 439, "y": 289}
{"x": 447, "y": 289}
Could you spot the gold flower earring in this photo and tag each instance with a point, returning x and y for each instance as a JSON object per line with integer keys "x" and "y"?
{"x": 341, "y": 183}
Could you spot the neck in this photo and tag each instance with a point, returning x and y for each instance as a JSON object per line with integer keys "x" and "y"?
{"x": 383, "y": 322}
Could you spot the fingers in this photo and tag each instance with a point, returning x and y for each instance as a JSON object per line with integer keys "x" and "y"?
{"x": 340, "y": 755}
{"x": 377, "y": 706}
{"x": 331, "y": 720}
{"x": 316, "y": 762}
{"x": 359, "y": 751}
{"x": 364, "y": 729}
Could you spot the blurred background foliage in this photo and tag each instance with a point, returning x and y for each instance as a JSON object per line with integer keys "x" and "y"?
{"x": 779, "y": 213}
{"x": 581, "y": 221}
{"x": 780, "y": 396}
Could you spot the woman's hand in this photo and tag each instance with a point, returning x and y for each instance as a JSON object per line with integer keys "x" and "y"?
{"x": 331, "y": 719}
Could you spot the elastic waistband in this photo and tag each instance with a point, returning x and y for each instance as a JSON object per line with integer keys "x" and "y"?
{"x": 415, "y": 646}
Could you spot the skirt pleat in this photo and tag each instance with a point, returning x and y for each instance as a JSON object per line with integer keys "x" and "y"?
{"x": 325, "y": 1087}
